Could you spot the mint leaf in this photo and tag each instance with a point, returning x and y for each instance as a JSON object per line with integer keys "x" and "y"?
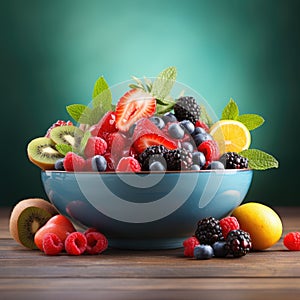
{"x": 251, "y": 121}
{"x": 79, "y": 112}
{"x": 63, "y": 148}
{"x": 102, "y": 95}
{"x": 259, "y": 160}
{"x": 164, "y": 82}
{"x": 231, "y": 111}
{"x": 96, "y": 114}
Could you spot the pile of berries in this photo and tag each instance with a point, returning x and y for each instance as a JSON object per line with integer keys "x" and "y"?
{"x": 217, "y": 238}
{"x": 146, "y": 141}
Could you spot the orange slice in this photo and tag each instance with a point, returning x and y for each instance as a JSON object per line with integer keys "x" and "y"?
{"x": 231, "y": 136}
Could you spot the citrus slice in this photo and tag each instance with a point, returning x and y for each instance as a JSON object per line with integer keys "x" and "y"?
{"x": 231, "y": 135}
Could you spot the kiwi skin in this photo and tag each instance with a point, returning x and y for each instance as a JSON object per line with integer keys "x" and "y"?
{"x": 27, "y": 217}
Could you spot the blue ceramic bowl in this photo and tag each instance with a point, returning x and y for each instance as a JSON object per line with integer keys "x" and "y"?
{"x": 146, "y": 211}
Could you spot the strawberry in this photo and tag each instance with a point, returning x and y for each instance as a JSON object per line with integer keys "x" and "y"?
{"x": 107, "y": 124}
{"x": 132, "y": 106}
{"x": 128, "y": 164}
{"x": 147, "y": 134}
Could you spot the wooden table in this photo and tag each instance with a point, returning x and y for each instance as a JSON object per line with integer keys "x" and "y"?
{"x": 119, "y": 274}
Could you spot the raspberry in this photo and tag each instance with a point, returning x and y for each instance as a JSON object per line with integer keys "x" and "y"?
{"x": 128, "y": 164}
{"x": 96, "y": 242}
{"x": 74, "y": 162}
{"x": 292, "y": 241}
{"x": 57, "y": 124}
{"x": 210, "y": 150}
{"x": 227, "y": 224}
{"x": 91, "y": 229}
{"x": 75, "y": 243}
{"x": 95, "y": 146}
{"x": 202, "y": 125}
{"x": 52, "y": 244}
{"x": 189, "y": 244}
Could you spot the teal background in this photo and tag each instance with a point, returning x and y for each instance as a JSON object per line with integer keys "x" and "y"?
{"x": 53, "y": 51}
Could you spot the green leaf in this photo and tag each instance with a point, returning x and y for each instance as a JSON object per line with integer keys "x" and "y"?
{"x": 259, "y": 160}
{"x": 204, "y": 116}
{"x": 78, "y": 112}
{"x": 96, "y": 114}
{"x": 102, "y": 95}
{"x": 83, "y": 142}
{"x": 231, "y": 111}
{"x": 251, "y": 121}
{"x": 164, "y": 82}
{"x": 63, "y": 148}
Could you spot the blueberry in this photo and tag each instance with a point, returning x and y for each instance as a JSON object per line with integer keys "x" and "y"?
{"x": 195, "y": 167}
{"x": 159, "y": 122}
{"x": 199, "y": 158}
{"x": 99, "y": 163}
{"x": 59, "y": 164}
{"x": 201, "y": 137}
{"x": 188, "y": 146}
{"x": 176, "y": 131}
{"x": 203, "y": 252}
{"x": 157, "y": 166}
{"x": 188, "y": 126}
{"x": 169, "y": 117}
{"x": 215, "y": 165}
{"x": 131, "y": 129}
{"x": 220, "y": 249}
{"x": 198, "y": 130}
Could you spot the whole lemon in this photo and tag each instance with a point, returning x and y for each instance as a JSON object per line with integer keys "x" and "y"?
{"x": 261, "y": 221}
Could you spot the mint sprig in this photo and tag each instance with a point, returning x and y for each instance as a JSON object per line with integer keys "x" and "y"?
{"x": 259, "y": 160}
{"x": 231, "y": 112}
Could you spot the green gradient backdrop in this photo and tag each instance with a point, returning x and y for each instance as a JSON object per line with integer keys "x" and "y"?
{"x": 53, "y": 51}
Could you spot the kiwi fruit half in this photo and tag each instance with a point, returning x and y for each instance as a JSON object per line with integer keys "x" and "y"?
{"x": 42, "y": 152}
{"x": 27, "y": 217}
{"x": 69, "y": 135}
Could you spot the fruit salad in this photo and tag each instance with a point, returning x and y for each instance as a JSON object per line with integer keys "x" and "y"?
{"x": 148, "y": 131}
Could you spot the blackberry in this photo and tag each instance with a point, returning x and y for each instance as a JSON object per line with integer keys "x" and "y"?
{"x": 232, "y": 160}
{"x": 209, "y": 231}
{"x": 151, "y": 154}
{"x": 178, "y": 159}
{"x": 186, "y": 108}
{"x": 238, "y": 243}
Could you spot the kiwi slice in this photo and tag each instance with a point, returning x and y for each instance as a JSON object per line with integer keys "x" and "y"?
{"x": 42, "y": 152}
{"x": 27, "y": 217}
{"x": 69, "y": 135}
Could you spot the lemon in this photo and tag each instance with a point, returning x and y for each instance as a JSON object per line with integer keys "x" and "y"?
{"x": 261, "y": 221}
{"x": 231, "y": 136}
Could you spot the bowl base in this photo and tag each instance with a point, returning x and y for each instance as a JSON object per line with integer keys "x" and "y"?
{"x": 147, "y": 244}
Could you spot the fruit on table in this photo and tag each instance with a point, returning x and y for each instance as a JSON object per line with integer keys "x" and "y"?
{"x": 262, "y": 222}
{"x": 58, "y": 224}
{"x": 27, "y": 217}
{"x": 231, "y": 135}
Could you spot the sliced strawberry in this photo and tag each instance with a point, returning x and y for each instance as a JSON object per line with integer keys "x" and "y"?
{"x": 107, "y": 124}
{"x": 132, "y": 106}
{"x": 147, "y": 134}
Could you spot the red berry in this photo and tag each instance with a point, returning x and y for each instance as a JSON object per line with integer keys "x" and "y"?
{"x": 96, "y": 242}
{"x": 110, "y": 162}
{"x": 227, "y": 224}
{"x": 75, "y": 243}
{"x": 189, "y": 245}
{"x": 210, "y": 150}
{"x": 202, "y": 125}
{"x": 107, "y": 124}
{"x": 74, "y": 162}
{"x": 52, "y": 244}
{"x": 132, "y": 106}
{"x": 292, "y": 241}
{"x": 116, "y": 144}
{"x": 95, "y": 146}
{"x": 128, "y": 164}
{"x": 91, "y": 229}
{"x": 57, "y": 124}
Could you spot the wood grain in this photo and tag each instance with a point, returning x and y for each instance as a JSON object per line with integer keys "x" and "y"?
{"x": 122, "y": 274}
